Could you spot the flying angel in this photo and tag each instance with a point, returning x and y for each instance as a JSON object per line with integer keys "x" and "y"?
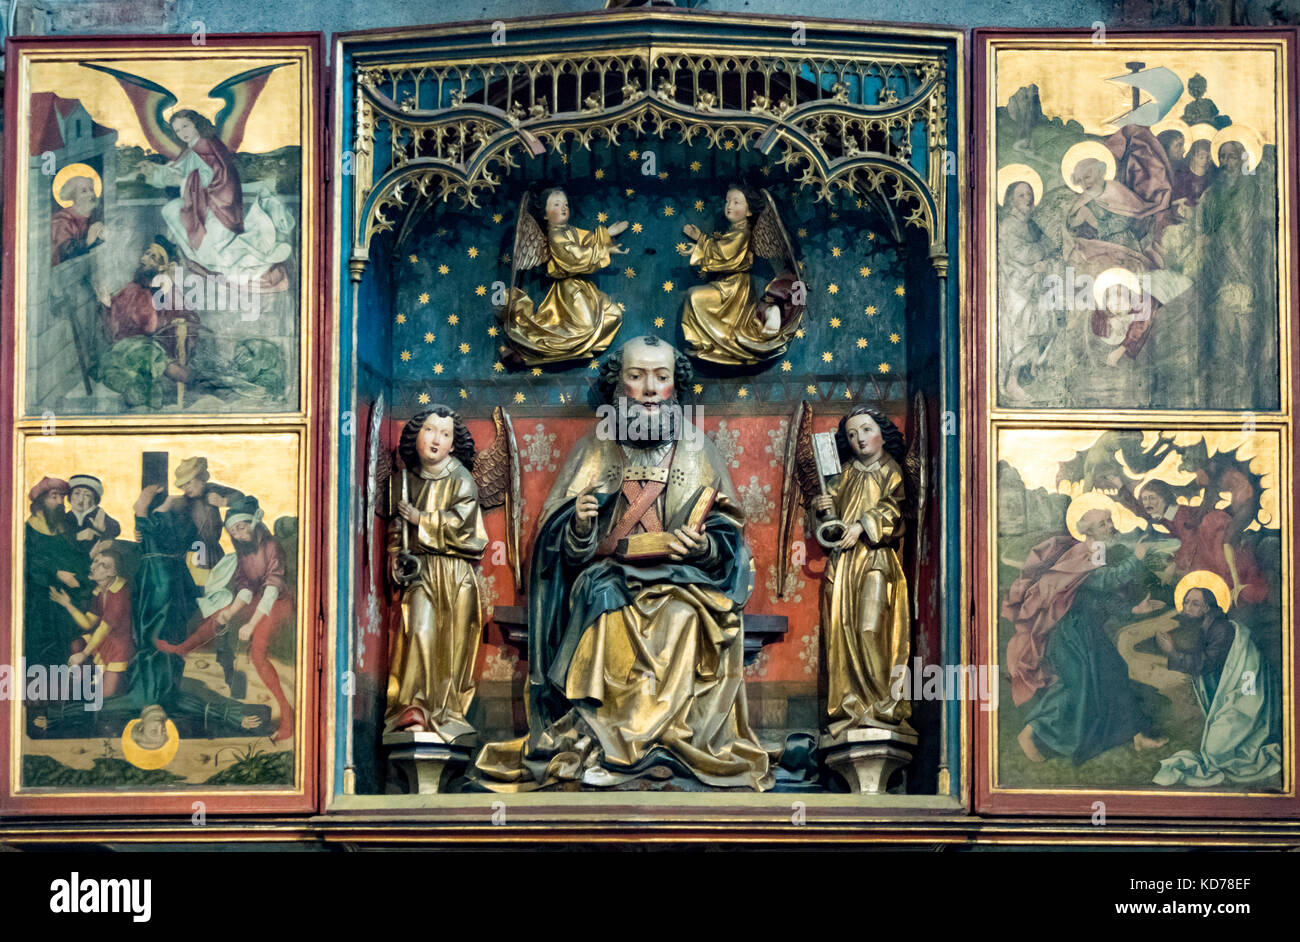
{"x": 575, "y": 319}
{"x": 723, "y": 321}
{"x": 208, "y": 220}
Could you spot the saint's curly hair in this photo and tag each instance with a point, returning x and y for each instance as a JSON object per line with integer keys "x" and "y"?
{"x": 462, "y": 442}
{"x": 611, "y": 372}
{"x": 894, "y": 445}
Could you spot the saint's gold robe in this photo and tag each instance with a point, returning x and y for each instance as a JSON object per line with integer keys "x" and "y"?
{"x": 575, "y": 319}
{"x": 431, "y": 658}
{"x": 661, "y": 674}
{"x": 864, "y": 606}
{"x": 721, "y": 320}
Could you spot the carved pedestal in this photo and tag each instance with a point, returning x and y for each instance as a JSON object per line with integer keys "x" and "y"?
{"x": 866, "y": 758}
{"x": 418, "y": 763}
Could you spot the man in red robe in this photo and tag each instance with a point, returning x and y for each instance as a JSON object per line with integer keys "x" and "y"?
{"x": 263, "y": 602}
{"x": 71, "y": 231}
{"x": 108, "y": 637}
{"x": 150, "y": 305}
{"x": 1205, "y": 541}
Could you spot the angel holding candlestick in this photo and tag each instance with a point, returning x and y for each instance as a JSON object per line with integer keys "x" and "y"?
{"x": 865, "y": 616}
{"x": 437, "y": 494}
{"x": 723, "y": 321}
{"x": 575, "y": 319}
{"x": 864, "y": 611}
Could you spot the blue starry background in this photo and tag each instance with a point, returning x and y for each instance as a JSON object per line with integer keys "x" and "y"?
{"x": 863, "y": 287}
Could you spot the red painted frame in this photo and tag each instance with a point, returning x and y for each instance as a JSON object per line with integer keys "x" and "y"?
{"x": 315, "y": 322}
{"x": 983, "y": 581}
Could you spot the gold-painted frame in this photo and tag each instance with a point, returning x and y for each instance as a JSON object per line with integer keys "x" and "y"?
{"x": 701, "y": 817}
{"x": 992, "y": 420}
{"x": 310, "y": 203}
{"x": 1282, "y": 44}
{"x": 304, "y": 423}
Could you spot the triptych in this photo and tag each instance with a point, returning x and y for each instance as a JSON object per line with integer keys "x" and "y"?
{"x": 1056, "y": 271}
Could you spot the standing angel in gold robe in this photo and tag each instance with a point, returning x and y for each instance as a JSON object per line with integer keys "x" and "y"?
{"x": 865, "y": 621}
{"x": 575, "y": 319}
{"x": 436, "y": 543}
{"x": 723, "y": 321}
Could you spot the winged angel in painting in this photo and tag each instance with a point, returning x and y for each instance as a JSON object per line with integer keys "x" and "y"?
{"x": 160, "y": 234}
{"x": 575, "y": 319}
{"x": 438, "y": 488}
{"x": 1136, "y": 254}
{"x": 723, "y": 321}
{"x": 208, "y": 221}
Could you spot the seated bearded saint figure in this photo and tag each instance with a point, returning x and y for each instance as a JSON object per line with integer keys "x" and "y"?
{"x": 638, "y": 579}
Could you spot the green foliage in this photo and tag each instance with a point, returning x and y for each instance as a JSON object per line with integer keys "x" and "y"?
{"x": 254, "y": 767}
{"x": 48, "y": 772}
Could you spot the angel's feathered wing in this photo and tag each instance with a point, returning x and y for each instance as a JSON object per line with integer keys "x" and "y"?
{"x": 799, "y": 476}
{"x": 496, "y": 473}
{"x": 531, "y": 248}
{"x": 916, "y": 487}
{"x": 238, "y": 95}
{"x": 150, "y": 100}
{"x": 770, "y": 239}
{"x": 378, "y": 468}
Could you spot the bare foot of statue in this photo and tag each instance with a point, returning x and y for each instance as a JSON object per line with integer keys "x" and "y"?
{"x": 599, "y": 777}
{"x": 1026, "y": 740}
{"x": 771, "y": 320}
{"x": 1142, "y": 742}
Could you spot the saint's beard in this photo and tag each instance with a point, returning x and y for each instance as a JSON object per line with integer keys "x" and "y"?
{"x": 55, "y": 517}
{"x": 244, "y": 547}
{"x": 1195, "y": 622}
{"x": 639, "y": 427}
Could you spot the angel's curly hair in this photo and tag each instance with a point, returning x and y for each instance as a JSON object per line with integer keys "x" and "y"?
{"x": 753, "y": 196}
{"x": 462, "y": 441}
{"x": 539, "y": 209}
{"x": 201, "y": 123}
{"x": 611, "y": 372}
{"x": 894, "y": 444}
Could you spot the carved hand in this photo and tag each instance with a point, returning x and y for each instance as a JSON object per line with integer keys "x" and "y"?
{"x": 584, "y": 512}
{"x": 851, "y": 536}
{"x": 687, "y": 543}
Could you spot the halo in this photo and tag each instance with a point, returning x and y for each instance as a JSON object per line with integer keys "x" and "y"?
{"x": 143, "y": 758}
{"x": 1093, "y": 500}
{"x": 1019, "y": 173}
{"x": 1082, "y": 151}
{"x": 1247, "y": 138}
{"x": 1109, "y": 279}
{"x": 1200, "y": 132}
{"x": 1203, "y": 579}
{"x": 70, "y": 171}
{"x": 1172, "y": 124}
{"x": 1191, "y": 132}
